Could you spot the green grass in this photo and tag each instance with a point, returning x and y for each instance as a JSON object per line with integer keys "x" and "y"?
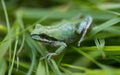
{"x": 99, "y": 54}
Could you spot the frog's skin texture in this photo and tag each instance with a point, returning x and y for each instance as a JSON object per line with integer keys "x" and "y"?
{"x": 60, "y": 34}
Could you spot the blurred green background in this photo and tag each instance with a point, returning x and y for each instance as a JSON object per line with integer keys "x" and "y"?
{"x": 99, "y": 54}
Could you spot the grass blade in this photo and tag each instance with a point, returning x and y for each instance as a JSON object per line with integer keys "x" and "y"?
{"x": 105, "y": 25}
{"x": 54, "y": 67}
{"x": 3, "y": 67}
{"x": 41, "y": 70}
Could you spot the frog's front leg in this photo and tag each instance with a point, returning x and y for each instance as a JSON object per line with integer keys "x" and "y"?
{"x": 83, "y": 27}
{"x": 61, "y": 45}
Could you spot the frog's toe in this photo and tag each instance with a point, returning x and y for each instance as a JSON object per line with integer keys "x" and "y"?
{"x": 48, "y": 56}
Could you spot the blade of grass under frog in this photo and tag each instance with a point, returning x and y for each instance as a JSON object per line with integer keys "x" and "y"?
{"x": 33, "y": 56}
{"x": 41, "y": 70}
{"x": 54, "y": 67}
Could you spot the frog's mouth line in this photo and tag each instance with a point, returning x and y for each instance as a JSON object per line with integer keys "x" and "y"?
{"x": 43, "y": 37}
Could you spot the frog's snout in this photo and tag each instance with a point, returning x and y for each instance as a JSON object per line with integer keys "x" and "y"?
{"x": 32, "y": 35}
{"x": 35, "y": 36}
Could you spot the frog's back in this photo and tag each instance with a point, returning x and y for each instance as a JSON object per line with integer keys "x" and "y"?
{"x": 63, "y": 31}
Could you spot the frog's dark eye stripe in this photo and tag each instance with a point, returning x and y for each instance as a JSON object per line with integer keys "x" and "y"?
{"x": 44, "y": 36}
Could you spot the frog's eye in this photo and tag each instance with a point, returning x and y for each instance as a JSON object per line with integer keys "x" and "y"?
{"x": 45, "y": 36}
{"x": 37, "y": 26}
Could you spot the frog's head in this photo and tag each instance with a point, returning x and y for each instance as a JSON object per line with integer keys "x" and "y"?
{"x": 39, "y": 34}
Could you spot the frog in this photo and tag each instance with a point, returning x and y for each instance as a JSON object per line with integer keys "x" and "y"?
{"x": 61, "y": 34}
